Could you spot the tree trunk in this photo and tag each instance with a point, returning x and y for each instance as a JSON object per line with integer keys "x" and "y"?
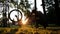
{"x": 43, "y": 7}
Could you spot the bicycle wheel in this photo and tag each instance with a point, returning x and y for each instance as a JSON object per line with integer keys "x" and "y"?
{"x": 15, "y": 15}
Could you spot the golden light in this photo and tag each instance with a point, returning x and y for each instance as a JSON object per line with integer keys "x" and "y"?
{"x": 24, "y": 20}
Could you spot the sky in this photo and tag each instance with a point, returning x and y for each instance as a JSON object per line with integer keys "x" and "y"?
{"x": 39, "y": 2}
{"x": 39, "y": 7}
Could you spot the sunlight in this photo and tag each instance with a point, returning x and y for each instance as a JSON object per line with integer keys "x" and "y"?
{"x": 24, "y": 20}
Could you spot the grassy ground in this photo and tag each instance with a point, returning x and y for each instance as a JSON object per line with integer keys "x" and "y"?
{"x": 29, "y": 30}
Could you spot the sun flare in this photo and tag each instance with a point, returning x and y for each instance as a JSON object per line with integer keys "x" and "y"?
{"x": 24, "y": 20}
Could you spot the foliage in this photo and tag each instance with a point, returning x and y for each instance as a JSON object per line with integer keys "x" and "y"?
{"x": 2, "y": 1}
{"x": 23, "y": 5}
{"x": 50, "y": 5}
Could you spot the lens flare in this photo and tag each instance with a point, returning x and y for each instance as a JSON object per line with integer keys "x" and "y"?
{"x": 24, "y": 21}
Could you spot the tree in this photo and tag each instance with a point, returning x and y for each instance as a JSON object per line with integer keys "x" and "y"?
{"x": 52, "y": 7}
{"x": 43, "y": 6}
{"x": 23, "y": 5}
{"x": 57, "y": 10}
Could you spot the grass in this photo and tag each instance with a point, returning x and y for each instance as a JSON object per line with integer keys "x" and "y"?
{"x": 27, "y": 30}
